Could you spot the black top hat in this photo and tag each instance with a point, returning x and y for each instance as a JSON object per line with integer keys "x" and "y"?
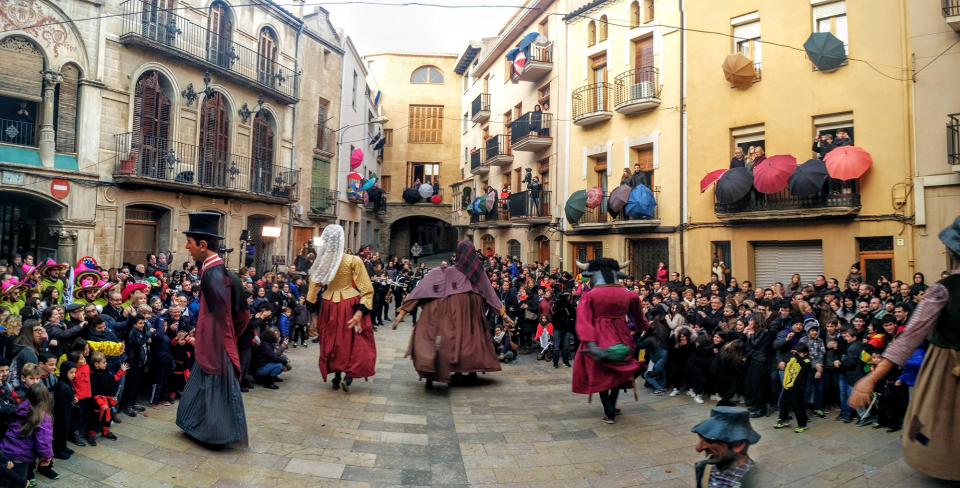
{"x": 204, "y": 224}
{"x": 729, "y": 425}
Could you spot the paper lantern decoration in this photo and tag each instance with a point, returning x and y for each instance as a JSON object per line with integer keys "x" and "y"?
{"x": 356, "y": 159}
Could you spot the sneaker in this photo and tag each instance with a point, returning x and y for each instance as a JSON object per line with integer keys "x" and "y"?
{"x": 758, "y": 413}
{"x": 781, "y": 424}
{"x": 91, "y": 441}
{"x": 715, "y": 397}
{"x": 820, "y": 413}
{"x": 110, "y": 435}
{"x": 608, "y": 420}
{"x": 846, "y": 420}
{"x": 691, "y": 394}
{"x": 271, "y": 386}
{"x": 129, "y": 412}
{"x": 304, "y": 344}
{"x": 675, "y": 392}
{"x": 294, "y": 345}
{"x": 800, "y": 430}
{"x": 659, "y": 392}
{"x": 698, "y": 398}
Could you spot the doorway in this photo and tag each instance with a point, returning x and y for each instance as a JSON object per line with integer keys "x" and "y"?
{"x": 24, "y": 227}
{"x": 146, "y": 230}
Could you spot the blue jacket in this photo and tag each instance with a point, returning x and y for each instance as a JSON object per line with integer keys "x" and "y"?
{"x": 911, "y": 368}
{"x": 285, "y": 324}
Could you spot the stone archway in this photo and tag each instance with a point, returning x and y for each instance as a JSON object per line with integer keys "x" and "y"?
{"x": 28, "y": 222}
{"x": 434, "y": 236}
{"x": 400, "y": 226}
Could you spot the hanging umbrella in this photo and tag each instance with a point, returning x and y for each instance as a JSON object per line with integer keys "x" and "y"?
{"x": 354, "y": 193}
{"x": 594, "y": 197}
{"x": 739, "y": 70}
{"x": 491, "y": 200}
{"x": 576, "y": 206}
{"x": 436, "y": 199}
{"x": 618, "y": 199}
{"x": 773, "y": 174}
{"x": 847, "y": 162}
{"x": 809, "y": 178}
{"x": 641, "y": 204}
{"x": 711, "y": 178}
{"x": 370, "y": 183}
{"x": 734, "y": 185}
{"x": 356, "y": 158}
{"x": 411, "y": 196}
{"x": 825, "y": 51}
{"x": 426, "y": 190}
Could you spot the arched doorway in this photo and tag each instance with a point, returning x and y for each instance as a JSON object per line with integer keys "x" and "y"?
{"x": 434, "y": 236}
{"x": 146, "y": 230}
{"x": 488, "y": 245}
{"x": 24, "y": 225}
{"x": 214, "y": 141}
{"x": 259, "y": 249}
{"x": 542, "y": 249}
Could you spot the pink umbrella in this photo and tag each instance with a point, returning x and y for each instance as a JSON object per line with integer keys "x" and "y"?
{"x": 594, "y": 197}
{"x": 773, "y": 174}
{"x": 356, "y": 159}
{"x": 711, "y": 178}
{"x": 848, "y": 162}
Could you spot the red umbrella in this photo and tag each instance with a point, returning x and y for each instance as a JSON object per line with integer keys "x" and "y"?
{"x": 773, "y": 174}
{"x": 847, "y": 162}
{"x": 711, "y": 178}
{"x": 594, "y": 197}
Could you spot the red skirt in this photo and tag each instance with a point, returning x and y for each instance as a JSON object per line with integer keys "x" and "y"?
{"x": 341, "y": 349}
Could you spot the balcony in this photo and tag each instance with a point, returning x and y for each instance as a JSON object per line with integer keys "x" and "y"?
{"x": 499, "y": 214}
{"x": 326, "y": 145}
{"x": 637, "y": 90}
{"x": 529, "y": 206}
{"x": 539, "y": 64}
{"x": 172, "y": 165}
{"x": 18, "y": 133}
{"x": 323, "y": 203}
{"x": 533, "y": 131}
{"x": 591, "y": 104}
{"x": 838, "y": 199}
{"x": 951, "y": 13}
{"x": 953, "y": 141}
{"x": 161, "y": 30}
{"x": 498, "y": 151}
{"x": 480, "y": 108}
{"x": 600, "y": 217}
{"x": 476, "y": 163}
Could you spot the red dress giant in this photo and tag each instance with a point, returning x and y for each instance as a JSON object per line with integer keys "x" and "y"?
{"x": 601, "y": 318}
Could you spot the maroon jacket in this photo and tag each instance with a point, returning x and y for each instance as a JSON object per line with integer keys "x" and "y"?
{"x": 222, "y": 319}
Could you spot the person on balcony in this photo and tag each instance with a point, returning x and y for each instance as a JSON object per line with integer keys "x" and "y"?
{"x": 823, "y": 143}
{"x": 843, "y": 138}
{"x": 738, "y": 160}
{"x": 504, "y": 199}
{"x": 535, "y": 188}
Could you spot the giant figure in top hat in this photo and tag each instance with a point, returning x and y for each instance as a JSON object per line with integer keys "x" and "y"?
{"x": 211, "y": 410}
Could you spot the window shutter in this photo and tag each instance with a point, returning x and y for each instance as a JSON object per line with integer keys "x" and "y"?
{"x": 67, "y": 110}
{"x": 23, "y": 63}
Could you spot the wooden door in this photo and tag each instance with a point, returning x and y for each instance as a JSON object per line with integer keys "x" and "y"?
{"x": 151, "y": 127}
{"x": 266, "y": 57}
{"x": 543, "y": 250}
{"x": 585, "y": 252}
{"x": 643, "y": 52}
{"x": 598, "y": 73}
{"x": 301, "y": 236}
{"x": 214, "y": 141}
{"x": 261, "y": 168}
{"x": 876, "y": 264}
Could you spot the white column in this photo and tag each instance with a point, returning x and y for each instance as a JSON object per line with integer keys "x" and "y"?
{"x": 47, "y": 137}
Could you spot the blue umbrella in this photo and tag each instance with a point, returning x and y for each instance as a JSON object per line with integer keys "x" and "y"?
{"x": 642, "y": 204}
{"x": 370, "y": 183}
{"x": 825, "y": 51}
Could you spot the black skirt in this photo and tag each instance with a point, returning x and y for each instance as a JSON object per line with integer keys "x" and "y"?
{"x": 211, "y": 407}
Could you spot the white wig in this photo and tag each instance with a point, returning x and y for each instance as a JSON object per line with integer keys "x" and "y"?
{"x": 329, "y": 255}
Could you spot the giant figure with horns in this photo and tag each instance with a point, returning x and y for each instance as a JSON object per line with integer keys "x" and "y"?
{"x": 606, "y": 361}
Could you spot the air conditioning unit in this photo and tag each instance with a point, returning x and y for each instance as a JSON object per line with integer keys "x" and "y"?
{"x": 643, "y": 89}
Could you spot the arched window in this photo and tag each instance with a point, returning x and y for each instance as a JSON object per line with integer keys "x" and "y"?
{"x": 220, "y": 26}
{"x": 603, "y": 28}
{"x": 634, "y": 14}
{"x": 489, "y": 245}
{"x": 513, "y": 248}
{"x": 427, "y": 74}
{"x": 267, "y": 56}
{"x": 647, "y": 11}
{"x": 261, "y": 171}
{"x": 22, "y": 95}
{"x": 591, "y": 33}
{"x": 215, "y": 143}
{"x": 65, "y": 119}
{"x": 151, "y": 127}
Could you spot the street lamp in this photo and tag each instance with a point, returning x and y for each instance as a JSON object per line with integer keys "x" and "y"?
{"x": 557, "y": 226}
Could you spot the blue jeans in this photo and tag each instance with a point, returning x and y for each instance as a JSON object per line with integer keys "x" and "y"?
{"x": 656, "y": 374}
{"x": 846, "y": 389}
{"x": 814, "y": 391}
{"x": 269, "y": 370}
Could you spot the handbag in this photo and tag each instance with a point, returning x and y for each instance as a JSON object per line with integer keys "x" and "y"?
{"x": 530, "y": 315}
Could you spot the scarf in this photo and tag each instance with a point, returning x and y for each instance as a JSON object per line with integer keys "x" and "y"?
{"x": 468, "y": 262}
{"x": 498, "y": 338}
{"x": 329, "y": 255}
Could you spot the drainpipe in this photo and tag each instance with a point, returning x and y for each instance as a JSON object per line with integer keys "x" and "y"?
{"x": 293, "y": 145}
{"x": 683, "y": 138}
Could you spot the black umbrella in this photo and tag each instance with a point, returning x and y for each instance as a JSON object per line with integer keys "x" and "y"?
{"x": 809, "y": 178}
{"x": 411, "y": 195}
{"x": 734, "y": 185}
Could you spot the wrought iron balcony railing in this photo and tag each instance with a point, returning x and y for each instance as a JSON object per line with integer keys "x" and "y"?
{"x": 476, "y": 159}
{"x": 636, "y": 85}
{"x": 326, "y": 140}
{"x": 497, "y": 146}
{"x": 953, "y": 138}
{"x": 155, "y": 27}
{"x": 531, "y": 124}
{"x": 323, "y": 202}
{"x": 591, "y": 99}
{"x": 600, "y": 214}
{"x": 836, "y": 194}
{"x": 178, "y": 165}
{"x": 18, "y": 132}
{"x": 480, "y": 108}
{"x": 529, "y": 204}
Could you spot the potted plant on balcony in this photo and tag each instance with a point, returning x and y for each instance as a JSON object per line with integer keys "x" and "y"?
{"x": 128, "y": 164}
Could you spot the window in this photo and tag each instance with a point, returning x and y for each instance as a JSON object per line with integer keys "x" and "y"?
{"x": 643, "y": 156}
{"x": 427, "y": 74}
{"x": 543, "y": 97}
{"x": 385, "y": 183}
{"x": 466, "y": 81}
{"x": 543, "y": 169}
{"x": 647, "y": 11}
{"x": 587, "y": 251}
{"x": 603, "y": 28}
{"x": 591, "y": 33}
{"x": 388, "y": 136}
{"x": 324, "y": 138}
{"x": 489, "y": 245}
{"x": 424, "y": 173}
{"x": 600, "y": 169}
{"x": 67, "y": 97}
{"x": 720, "y": 253}
{"x": 426, "y": 124}
{"x": 151, "y": 124}
{"x": 214, "y": 141}
{"x": 261, "y": 171}
{"x": 513, "y": 248}
{"x": 634, "y": 14}
{"x": 837, "y": 125}
{"x": 748, "y": 138}
{"x": 220, "y": 31}
{"x": 876, "y": 257}
{"x": 466, "y": 122}
{"x": 266, "y": 56}
{"x": 353, "y": 91}
{"x": 747, "y": 40}
{"x": 832, "y": 17}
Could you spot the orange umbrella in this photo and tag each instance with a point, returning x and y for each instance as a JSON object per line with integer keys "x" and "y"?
{"x": 847, "y": 162}
{"x": 739, "y": 70}
{"x": 773, "y": 174}
{"x": 711, "y": 178}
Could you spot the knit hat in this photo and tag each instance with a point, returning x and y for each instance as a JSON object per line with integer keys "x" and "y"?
{"x": 810, "y": 324}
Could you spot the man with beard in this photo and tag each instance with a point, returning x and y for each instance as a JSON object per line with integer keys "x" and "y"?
{"x": 725, "y": 438}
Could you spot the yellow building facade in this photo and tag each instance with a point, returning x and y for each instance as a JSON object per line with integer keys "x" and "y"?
{"x": 767, "y": 238}
{"x": 421, "y": 100}
{"x": 624, "y": 113}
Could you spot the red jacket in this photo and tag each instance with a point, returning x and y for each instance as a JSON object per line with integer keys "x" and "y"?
{"x": 81, "y": 383}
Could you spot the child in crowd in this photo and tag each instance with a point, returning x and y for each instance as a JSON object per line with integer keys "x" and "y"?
{"x": 104, "y": 388}
{"x": 30, "y": 375}
{"x": 301, "y": 322}
{"x": 502, "y": 345}
{"x": 8, "y": 397}
{"x": 543, "y": 335}
{"x": 137, "y": 359}
{"x": 181, "y": 348}
{"x": 831, "y": 378}
{"x": 795, "y": 376}
{"x": 286, "y": 322}
{"x": 30, "y": 435}
{"x": 82, "y": 389}
{"x": 270, "y": 361}
{"x": 64, "y": 401}
{"x": 48, "y": 367}
{"x": 817, "y": 352}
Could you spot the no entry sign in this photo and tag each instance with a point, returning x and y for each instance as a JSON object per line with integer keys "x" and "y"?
{"x": 59, "y": 188}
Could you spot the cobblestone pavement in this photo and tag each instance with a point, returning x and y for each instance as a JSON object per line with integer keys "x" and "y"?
{"x": 519, "y": 427}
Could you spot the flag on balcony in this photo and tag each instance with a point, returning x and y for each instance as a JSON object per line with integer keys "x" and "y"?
{"x": 519, "y": 55}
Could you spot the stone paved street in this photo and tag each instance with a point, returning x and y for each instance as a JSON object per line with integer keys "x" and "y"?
{"x": 521, "y": 427}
